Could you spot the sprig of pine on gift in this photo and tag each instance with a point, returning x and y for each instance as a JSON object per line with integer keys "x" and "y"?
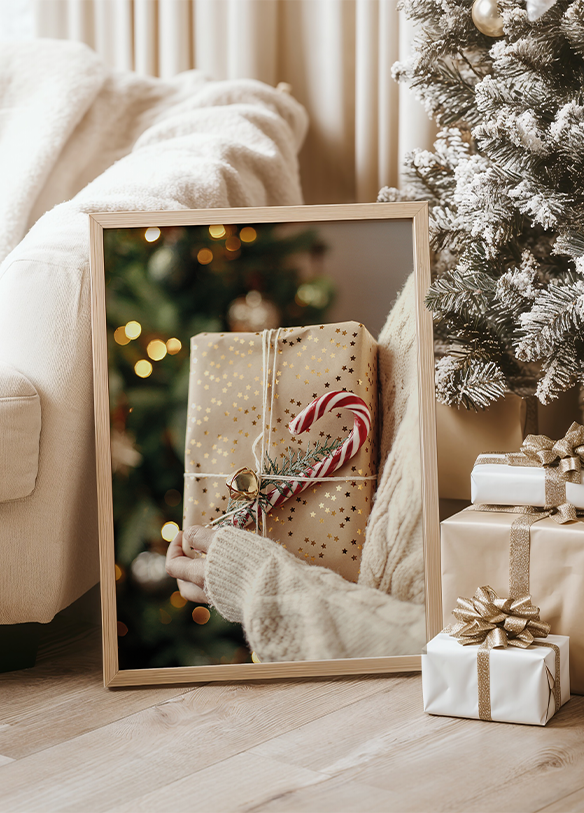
{"x": 505, "y": 182}
{"x": 295, "y": 464}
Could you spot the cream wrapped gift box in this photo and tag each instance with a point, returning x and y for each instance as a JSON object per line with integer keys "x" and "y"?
{"x": 521, "y": 680}
{"x": 499, "y": 483}
{"x": 544, "y": 472}
{"x": 476, "y": 548}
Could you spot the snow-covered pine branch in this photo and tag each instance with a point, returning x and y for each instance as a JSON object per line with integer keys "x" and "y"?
{"x": 505, "y": 183}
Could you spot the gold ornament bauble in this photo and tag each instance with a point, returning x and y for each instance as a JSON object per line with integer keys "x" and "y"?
{"x": 487, "y": 18}
{"x": 244, "y": 484}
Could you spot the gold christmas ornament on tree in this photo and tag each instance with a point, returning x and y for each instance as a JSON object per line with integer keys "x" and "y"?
{"x": 487, "y": 18}
{"x": 251, "y": 313}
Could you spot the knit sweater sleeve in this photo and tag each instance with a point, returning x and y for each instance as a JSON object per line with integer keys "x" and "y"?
{"x": 393, "y": 559}
{"x": 293, "y": 611}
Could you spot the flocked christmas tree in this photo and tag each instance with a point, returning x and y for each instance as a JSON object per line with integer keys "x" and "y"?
{"x": 505, "y": 182}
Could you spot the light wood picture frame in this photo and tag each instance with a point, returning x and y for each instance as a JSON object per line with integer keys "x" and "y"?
{"x": 414, "y": 216}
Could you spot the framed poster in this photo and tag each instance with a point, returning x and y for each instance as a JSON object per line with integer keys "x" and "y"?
{"x": 213, "y": 332}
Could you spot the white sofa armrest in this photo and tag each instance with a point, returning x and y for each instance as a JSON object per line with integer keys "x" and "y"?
{"x": 20, "y": 429}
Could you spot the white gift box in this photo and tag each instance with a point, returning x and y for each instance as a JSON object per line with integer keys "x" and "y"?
{"x": 502, "y": 484}
{"x": 521, "y": 680}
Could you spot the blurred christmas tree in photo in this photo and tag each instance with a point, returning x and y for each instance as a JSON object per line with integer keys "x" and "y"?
{"x": 504, "y": 79}
{"x": 162, "y": 287}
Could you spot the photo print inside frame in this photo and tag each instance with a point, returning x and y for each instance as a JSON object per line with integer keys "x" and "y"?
{"x": 214, "y": 333}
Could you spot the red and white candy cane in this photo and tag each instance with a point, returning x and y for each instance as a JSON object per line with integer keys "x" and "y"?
{"x": 330, "y": 464}
{"x": 326, "y": 467}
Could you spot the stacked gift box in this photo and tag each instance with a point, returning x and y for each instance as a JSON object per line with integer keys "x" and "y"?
{"x": 522, "y": 536}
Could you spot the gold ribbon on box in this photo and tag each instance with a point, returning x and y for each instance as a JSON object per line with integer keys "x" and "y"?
{"x": 561, "y": 461}
{"x": 492, "y": 622}
{"x": 519, "y": 542}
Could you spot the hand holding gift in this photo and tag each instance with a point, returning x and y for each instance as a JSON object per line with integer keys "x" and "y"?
{"x": 185, "y": 563}
{"x": 245, "y": 390}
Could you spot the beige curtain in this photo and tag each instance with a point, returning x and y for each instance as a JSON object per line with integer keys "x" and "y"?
{"x": 335, "y": 54}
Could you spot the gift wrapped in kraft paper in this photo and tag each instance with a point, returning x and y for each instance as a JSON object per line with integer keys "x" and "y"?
{"x": 518, "y": 552}
{"x": 244, "y": 390}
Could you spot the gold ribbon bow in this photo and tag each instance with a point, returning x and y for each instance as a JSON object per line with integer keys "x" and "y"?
{"x": 566, "y": 454}
{"x": 492, "y": 622}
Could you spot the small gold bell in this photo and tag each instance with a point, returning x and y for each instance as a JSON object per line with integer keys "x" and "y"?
{"x": 244, "y": 484}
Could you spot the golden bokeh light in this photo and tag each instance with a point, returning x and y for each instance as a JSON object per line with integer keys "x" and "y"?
{"x": 120, "y": 336}
{"x": 133, "y": 329}
{"x": 201, "y": 615}
{"x": 143, "y": 368}
{"x": 122, "y": 629}
{"x": 165, "y": 617}
{"x": 177, "y": 600}
{"x": 205, "y": 256}
{"x": 232, "y": 243}
{"x": 152, "y": 234}
{"x": 119, "y": 573}
{"x": 248, "y": 234}
{"x": 174, "y": 346}
{"x": 218, "y": 232}
{"x": 255, "y": 658}
{"x": 156, "y": 350}
{"x": 169, "y": 530}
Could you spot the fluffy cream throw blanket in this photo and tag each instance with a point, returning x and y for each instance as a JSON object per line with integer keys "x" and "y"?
{"x": 194, "y": 143}
{"x": 74, "y": 134}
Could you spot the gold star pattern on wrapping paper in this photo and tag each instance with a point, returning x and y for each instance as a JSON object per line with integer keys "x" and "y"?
{"x": 231, "y": 365}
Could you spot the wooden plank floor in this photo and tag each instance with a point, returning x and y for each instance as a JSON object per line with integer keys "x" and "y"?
{"x": 68, "y": 744}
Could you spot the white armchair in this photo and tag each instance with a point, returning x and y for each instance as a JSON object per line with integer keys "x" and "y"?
{"x": 184, "y": 143}
{"x": 20, "y": 419}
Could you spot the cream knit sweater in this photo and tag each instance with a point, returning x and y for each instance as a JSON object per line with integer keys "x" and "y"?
{"x": 294, "y": 611}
